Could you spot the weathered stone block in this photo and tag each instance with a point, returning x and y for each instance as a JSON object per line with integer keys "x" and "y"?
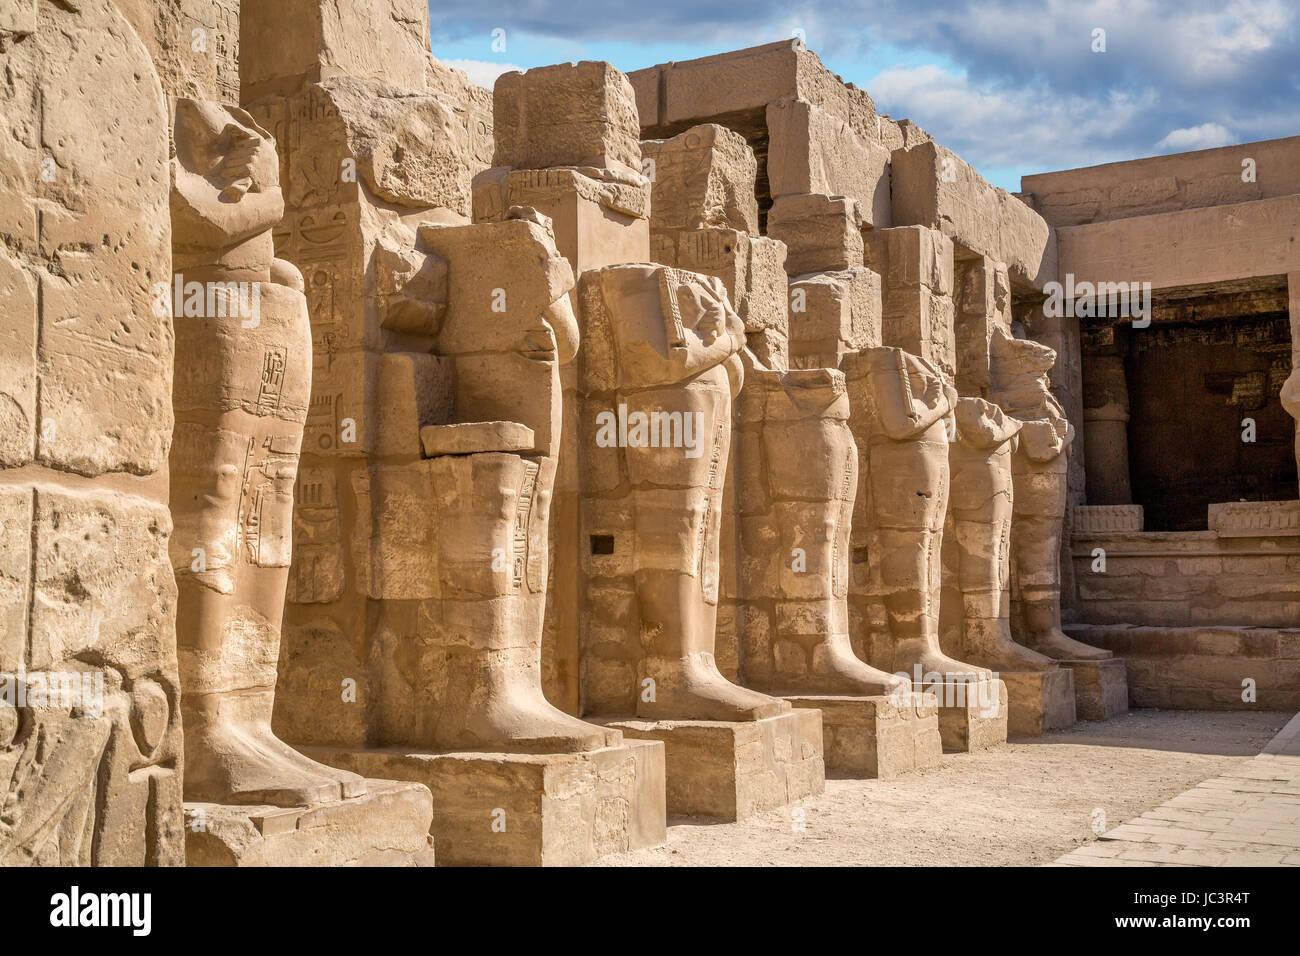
{"x": 833, "y": 313}
{"x": 1100, "y": 688}
{"x": 877, "y": 737}
{"x": 745, "y": 81}
{"x": 1038, "y": 701}
{"x": 728, "y": 771}
{"x": 813, "y": 151}
{"x": 701, "y": 178}
{"x": 971, "y": 717}
{"x": 916, "y": 273}
{"x": 570, "y": 114}
{"x": 753, "y": 270}
{"x": 598, "y": 219}
{"x": 503, "y": 809}
{"x": 934, "y": 187}
{"x": 821, "y": 233}
{"x": 388, "y": 826}
{"x": 290, "y": 42}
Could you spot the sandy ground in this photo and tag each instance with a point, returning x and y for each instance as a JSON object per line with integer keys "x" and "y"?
{"x": 1022, "y": 804}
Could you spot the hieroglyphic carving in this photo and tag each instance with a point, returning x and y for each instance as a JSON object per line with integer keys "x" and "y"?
{"x": 90, "y": 734}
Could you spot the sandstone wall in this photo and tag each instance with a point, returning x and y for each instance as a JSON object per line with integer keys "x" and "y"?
{"x": 86, "y": 351}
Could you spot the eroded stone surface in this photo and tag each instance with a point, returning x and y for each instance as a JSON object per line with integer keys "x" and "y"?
{"x": 90, "y": 732}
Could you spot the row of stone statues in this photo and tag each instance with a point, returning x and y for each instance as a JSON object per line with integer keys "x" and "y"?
{"x": 680, "y": 350}
{"x": 426, "y": 382}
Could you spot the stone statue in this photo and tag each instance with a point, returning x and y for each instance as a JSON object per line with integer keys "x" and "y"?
{"x": 1290, "y": 397}
{"x": 907, "y": 490}
{"x": 980, "y": 510}
{"x": 492, "y": 489}
{"x": 799, "y": 479}
{"x": 677, "y": 343}
{"x": 243, "y": 379}
{"x": 1039, "y": 466}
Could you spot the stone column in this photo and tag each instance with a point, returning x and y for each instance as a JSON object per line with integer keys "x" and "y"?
{"x": 369, "y": 148}
{"x": 975, "y": 611}
{"x": 900, "y": 407}
{"x": 982, "y": 300}
{"x": 915, "y": 264}
{"x": 1105, "y": 419}
{"x": 796, "y": 491}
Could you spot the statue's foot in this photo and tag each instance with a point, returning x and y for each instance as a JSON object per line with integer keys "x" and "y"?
{"x": 838, "y": 671}
{"x": 528, "y": 723}
{"x": 249, "y": 765}
{"x": 1007, "y": 655}
{"x": 1055, "y": 644}
{"x": 933, "y": 661}
{"x": 693, "y": 689}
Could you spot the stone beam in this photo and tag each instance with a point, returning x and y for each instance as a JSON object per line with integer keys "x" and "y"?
{"x": 1192, "y": 247}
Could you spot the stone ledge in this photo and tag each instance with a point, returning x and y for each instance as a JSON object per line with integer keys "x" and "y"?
{"x": 1105, "y": 519}
{"x": 1203, "y": 667}
{"x": 1255, "y": 519}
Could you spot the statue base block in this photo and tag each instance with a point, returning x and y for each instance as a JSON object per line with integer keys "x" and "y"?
{"x": 499, "y": 809}
{"x": 970, "y": 719}
{"x": 1039, "y": 701}
{"x": 1100, "y": 688}
{"x": 730, "y": 770}
{"x": 386, "y": 826}
{"x": 877, "y": 736}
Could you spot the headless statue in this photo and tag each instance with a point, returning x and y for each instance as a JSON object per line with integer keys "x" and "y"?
{"x": 1039, "y": 469}
{"x": 242, "y": 384}
{"x": 678, "y": 343}
{"x": 808, "y": 463}
{"x": 908, "y": 486}
{"x": 981, "y": 512}
{"x": 1290, "y": 397}
{"x": 507, "y": 369}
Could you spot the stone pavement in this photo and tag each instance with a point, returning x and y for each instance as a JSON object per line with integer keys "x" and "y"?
{"x": 1249, "y": 816}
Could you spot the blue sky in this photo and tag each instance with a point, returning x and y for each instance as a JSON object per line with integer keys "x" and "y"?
{"x": 1014, "y": 86}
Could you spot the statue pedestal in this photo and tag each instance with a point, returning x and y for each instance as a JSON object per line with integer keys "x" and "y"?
{"x": 1039, "y": 700}
{"x": 387, "y": 826}
{"x": 499, "y": 809}
{"x": 731, "y": 770}
{"x": 877, "y": 736}
{"x": 968, "y": 722}
{"x": 1100, "y": 688}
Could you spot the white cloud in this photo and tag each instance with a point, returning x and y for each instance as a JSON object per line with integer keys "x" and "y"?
{"x": 1006, "y": 127}
{"x": 482, "y": 72}
{"x": 1205, "y": 136}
